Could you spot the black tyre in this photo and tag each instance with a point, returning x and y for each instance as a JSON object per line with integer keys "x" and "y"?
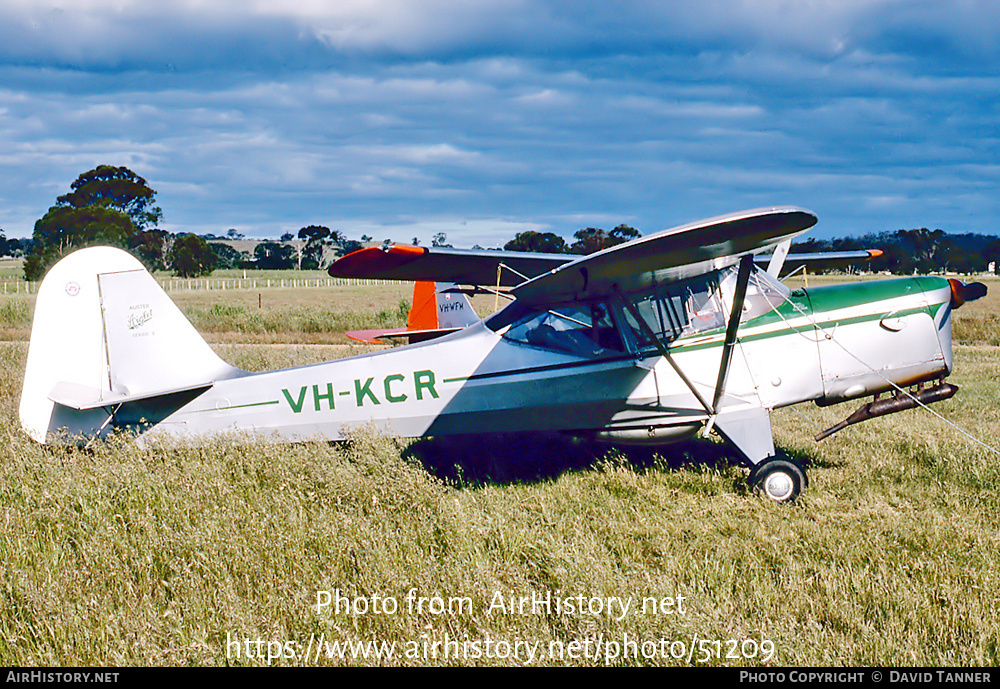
{"x": 780, "y": 480}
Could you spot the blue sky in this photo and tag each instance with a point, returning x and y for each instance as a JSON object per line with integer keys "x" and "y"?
{"x": 481, "y": 118}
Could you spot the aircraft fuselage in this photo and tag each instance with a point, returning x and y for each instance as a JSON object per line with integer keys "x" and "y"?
{"x": 826, "y": 345}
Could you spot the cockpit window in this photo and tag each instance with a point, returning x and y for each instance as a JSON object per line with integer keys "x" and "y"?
{"x": 677, "y": 309}
{"x": 584, "y": 330}
{"x": 764, "y": 293}
{"x": 667, "y": 312}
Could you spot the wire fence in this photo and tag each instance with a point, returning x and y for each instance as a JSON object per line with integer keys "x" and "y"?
{"x": 13, "y": 286}
{"x": 252, "y": 283}
{"x": 19, "y": 287}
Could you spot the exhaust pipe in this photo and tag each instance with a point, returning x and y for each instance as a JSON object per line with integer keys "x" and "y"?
{"x": 899, "y": 402}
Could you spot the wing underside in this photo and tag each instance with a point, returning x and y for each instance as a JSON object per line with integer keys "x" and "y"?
{"x": 674, "y": 254}
{"x": 544, "y": 279}
{"x": 417, "y": 263}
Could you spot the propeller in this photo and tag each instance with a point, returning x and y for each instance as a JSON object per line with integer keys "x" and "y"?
{"x": 962, "y": 292}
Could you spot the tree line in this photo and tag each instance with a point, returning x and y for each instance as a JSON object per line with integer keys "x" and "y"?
{"x": 917, "y": 251}
{"x": 114, "y": 206}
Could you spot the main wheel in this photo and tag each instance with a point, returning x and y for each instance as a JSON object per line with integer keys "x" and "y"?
{"x": 779, "y": 479}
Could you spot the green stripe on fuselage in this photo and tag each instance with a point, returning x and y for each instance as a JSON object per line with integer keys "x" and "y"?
{"x": 834, "y": 297}
{"x": 818, "y": 302}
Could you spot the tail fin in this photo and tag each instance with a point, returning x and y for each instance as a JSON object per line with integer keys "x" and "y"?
{"x": 423, "y": 311}
{"x": 437, "y": 309}
{"x": 105, "y": 333}
{"x": 453, "y": 308}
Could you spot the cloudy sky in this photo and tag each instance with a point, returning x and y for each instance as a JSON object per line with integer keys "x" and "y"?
{"x": 482, "y": 118}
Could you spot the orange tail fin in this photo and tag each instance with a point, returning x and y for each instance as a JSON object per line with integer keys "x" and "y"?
{"x": 424, "y": 310}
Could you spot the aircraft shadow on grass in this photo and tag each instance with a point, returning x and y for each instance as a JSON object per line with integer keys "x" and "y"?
{"x": 477, "y": 460}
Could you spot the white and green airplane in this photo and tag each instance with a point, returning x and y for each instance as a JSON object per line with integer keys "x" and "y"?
{"x": 659, "y": 339}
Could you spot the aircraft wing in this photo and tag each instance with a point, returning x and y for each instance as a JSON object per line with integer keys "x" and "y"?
{"x": 677, "y": 253}
{"x": 680, "y": 252}
{"x": 465, "y": 267}
{"x": 821, "y": 260}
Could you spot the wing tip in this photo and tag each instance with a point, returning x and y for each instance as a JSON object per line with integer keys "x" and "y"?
{"x": 360, "y": 263}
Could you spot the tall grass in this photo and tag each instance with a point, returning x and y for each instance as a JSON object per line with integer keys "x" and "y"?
{"x": 128, "y": 556}
{"x": 283, "y": 316}
{"x": 123, "y": 555}
{"x": 14, "y": 313}
{"x": 292, "y": 324}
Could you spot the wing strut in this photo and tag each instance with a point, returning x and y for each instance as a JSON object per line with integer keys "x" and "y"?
{"x": 648, "y": 332}
{"x": 742, "y": 278}
{"x": 748, "y": 430}
{"x": 778, "y": 258}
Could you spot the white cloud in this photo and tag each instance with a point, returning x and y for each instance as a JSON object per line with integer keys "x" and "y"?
{"x": 199, "y": 33}
{"x": 482, "y": 117}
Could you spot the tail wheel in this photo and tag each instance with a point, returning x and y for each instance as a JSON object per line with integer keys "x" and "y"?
{"x": 779, "y": 479}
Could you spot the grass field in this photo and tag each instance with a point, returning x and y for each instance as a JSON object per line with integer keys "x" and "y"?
{"x": 215, "y": 556}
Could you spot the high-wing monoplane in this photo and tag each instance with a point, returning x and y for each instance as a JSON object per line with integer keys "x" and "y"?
{"x": 680, "y": 333}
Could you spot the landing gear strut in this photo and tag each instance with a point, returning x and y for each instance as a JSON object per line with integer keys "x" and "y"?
{"x": 779, "y": 479}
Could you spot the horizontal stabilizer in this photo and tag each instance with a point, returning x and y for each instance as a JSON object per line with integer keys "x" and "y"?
{"x": 82, "y": 397}
{"x": 411, "y": 336}
{"x": 375, "y": 336}
{"x": 417, "y": 335}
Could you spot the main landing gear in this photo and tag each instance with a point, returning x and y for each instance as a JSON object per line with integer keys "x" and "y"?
{"x": 771, "y": 471}
{"x": 779, "y": 479}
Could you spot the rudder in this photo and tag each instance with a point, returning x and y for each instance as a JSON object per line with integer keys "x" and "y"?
{"x": 104, "y": 333}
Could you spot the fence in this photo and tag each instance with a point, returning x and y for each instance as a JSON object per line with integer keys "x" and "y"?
{"x": 178, "y": 284}
{"x": 208, "y": 284}
{"x": 19, "y": 287}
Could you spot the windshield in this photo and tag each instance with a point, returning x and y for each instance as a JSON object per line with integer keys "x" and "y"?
{"x": 764, "y": 293}
{"x": 585, "y": 330}
{"x": 670, "y": 311}
{"x": 677, "y": 309}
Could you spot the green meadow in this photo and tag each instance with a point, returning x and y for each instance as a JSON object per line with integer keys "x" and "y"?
{"x": 498, "y": 550}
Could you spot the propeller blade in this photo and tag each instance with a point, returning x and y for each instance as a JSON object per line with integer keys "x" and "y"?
{"x": 962, "y": 292}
